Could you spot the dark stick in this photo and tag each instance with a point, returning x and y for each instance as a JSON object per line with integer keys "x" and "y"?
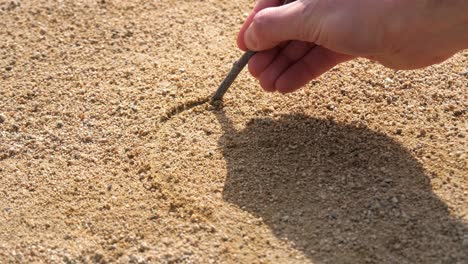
{"x": 236, "y": 69}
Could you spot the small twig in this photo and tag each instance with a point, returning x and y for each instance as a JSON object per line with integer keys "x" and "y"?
{"x": 232, "y": 75}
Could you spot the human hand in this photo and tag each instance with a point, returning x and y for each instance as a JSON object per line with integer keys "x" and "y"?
{"x": 302, "y": 40}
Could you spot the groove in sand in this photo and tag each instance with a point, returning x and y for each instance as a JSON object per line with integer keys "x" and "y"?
{"x": 178, "y": 109}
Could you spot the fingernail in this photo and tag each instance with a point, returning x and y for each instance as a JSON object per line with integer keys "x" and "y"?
{"x": 250, "y": 38}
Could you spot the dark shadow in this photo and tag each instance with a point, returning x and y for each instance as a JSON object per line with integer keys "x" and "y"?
{"x": 342, "y": 194}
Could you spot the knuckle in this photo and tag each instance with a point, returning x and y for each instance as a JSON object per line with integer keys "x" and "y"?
{"x": 308, "y": 28}
{"x": 262, "y": 22}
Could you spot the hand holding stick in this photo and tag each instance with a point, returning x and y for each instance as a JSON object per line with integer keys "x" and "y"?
{"x": 236, "y": 69}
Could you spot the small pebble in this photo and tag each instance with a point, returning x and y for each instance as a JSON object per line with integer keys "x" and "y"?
{"x": 422, "y": 133}
{"x": 14, "y": 128}
{"x": 143, "y": 247}
{"x": 59, "y": 124}
{"x": 465, "y": 240}
{"x": 332, "y": 216}
{"x": 2, "y": 118}
{"x": 136, "y": 259}
{"x": 36, "y": 56}
{"x": 389, "y": 100}
{"x": 407, "y": 85}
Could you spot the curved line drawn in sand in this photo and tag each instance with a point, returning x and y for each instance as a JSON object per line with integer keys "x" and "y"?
{"x": 178, "y": 109}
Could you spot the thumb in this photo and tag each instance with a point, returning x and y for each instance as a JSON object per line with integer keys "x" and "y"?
{"x": 274, "y": 25}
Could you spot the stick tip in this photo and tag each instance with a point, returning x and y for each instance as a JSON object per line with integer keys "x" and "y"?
{"x": 217, "y": 103}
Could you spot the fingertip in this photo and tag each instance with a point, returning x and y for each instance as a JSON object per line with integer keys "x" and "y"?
{"x": 262, "y": 4}
{"x": 267, "y": 85}
{"x": 261, "y": 60}
{"x": 273, "y": 25}
{"x": 253, "y": 69}
{"x": 250, "y": 38}
{"x": 317, "y": 62}
{"x": 241, "y": 43}
{"x": 285, "y": 86}
{"x": 241, "y": 35}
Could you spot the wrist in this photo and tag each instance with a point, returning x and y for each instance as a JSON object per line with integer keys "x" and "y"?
{"x": 452, "y": 20}
{"x": 440, "y": 24}
{"x": 420, "y": 33}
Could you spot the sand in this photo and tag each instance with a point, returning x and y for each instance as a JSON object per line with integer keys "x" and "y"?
{"x": 99, "y": 165}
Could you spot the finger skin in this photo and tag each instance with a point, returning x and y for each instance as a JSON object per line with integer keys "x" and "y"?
{"x": 294, "y": 51}
{"x": 392, "y": 32}
{"x": 278, "y": 67}
{"x": 262, "y": 4}
{"x": 318, "y": 61}
{"x": 260, "y": 61}
{"x": 271, "y": 26}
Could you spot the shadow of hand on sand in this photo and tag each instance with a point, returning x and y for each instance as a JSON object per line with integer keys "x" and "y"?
{"x": 341, "y": 194}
